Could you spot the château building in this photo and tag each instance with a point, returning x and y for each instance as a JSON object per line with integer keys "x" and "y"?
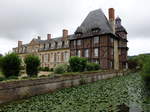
{"x": 98, "y": 39}
{"x": 51, "y": 52}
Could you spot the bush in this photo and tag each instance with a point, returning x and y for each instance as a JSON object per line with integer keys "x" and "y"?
{"x": 44, "y": 69}
{"x": 10, "y": 65}
{"x": 146, "y": 72}
{"x": 146, "y": 69}
{"x": 51, "y": 69}
{"x": 77, "y": 64}
{"x": 32, "y": 64}
{"x": 60, "y": 69}
{"x": 133, "y": 64}
{"x": 92, "y": 66}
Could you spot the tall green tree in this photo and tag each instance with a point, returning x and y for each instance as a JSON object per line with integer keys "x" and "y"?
{"x": 10, "y": 64}
{"x": 32, "y": 65}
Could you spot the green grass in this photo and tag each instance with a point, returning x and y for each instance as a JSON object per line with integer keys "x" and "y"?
{"x": 101, "y": 96}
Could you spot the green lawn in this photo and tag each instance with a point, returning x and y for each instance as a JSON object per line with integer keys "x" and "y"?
{"x": 101, "y": 96}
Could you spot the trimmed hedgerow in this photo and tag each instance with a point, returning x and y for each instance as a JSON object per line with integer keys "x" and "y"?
{"x": 77, "y": 64}
{"x": 10, "y": 64}
{"x": 60, "y": 69}
{"x": 32, "y": 64}
{"x": 92, "y": 66}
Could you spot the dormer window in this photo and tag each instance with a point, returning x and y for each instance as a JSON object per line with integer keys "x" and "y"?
{"x": 78, "y": 34}
{"x": 44, "y": 46}
{"x": 63, "y": 44}
{"x": 56, "y": 44}
{"x": 95, "y": 30}
{"x": 49, "y": 45}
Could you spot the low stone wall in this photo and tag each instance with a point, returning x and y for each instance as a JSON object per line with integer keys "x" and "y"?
{"x": 15, "y": 90}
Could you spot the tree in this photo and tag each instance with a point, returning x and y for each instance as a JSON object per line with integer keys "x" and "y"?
{"x": 77, "y": 64}
{"x": 32, "y": 64}
{"x": 10, "y": 64}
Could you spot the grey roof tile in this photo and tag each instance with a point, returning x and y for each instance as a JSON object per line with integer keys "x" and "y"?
{"x": 95, "y": 19}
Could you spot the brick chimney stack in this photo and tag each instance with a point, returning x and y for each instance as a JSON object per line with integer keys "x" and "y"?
{"x": 65, "y": 33}
{"x": 48, "y": 36}
{"x": 19, "y": 43}
{"x": 111, "y": 12}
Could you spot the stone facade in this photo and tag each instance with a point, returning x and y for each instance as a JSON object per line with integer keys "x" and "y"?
{"x": 98, "y": 39}
{"x": 51, "y": 51}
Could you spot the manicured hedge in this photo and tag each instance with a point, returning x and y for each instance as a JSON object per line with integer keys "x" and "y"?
{"x": 77, "y": 64}
{"x": 10, "y": 64}
{"x": 32, "y": 64}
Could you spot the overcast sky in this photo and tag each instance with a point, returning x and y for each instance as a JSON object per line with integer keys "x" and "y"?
{"x": 26, "y": 19}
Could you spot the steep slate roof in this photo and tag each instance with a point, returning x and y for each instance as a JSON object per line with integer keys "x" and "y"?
{"x": 95, "y": 19}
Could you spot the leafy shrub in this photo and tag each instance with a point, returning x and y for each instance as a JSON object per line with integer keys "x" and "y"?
{"x": 77, "y": 64}
{"x": 32, "y": 63}
{"x": 60, "y": 69}
{"x": 92, "y": 66}
{"x": 133, "y": 64}
{"x": 51, "y": 69}
{"x": 146, "y": 72}
{"x": 10, "y": 65}
{"x": 2, "y": 78}
{"x": 44, "y": 69}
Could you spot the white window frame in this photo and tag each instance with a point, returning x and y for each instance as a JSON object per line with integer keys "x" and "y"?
{"x": 96, "y": 39}
{"x": 78, "y": 42}
{"x": 79, "y": 53}
{"x": 86, "y": 53}
{"x": 96, "y": 52}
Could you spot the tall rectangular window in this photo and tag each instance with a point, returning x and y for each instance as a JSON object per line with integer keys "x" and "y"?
{"x": 111, "y": 40}
{"x": 86, "y": 53}
{"x": 46, "y": 58}
{"x": 96, "y": 40}
{"x": 78, "y": 53}
{"x": 78, "y": 42}
{"x": 74, "y": 43}
{"x": 96, "y": 52}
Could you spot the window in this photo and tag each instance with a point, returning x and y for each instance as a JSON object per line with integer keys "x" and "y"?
{"x": 49, "y": 45}
{"x": 66, "y": 56}
{"x": 78, "y": 53}
{"x": 44, "y": 46}
{"x": 46, "y": 58}
{"x": 86, "y": 53}
{"x": 112, "y": 51}
{"x": 111, "y": 64}
{"x": 74, "y": 42}
{"x": 63, "y": 44}
{"x": 96, "y": 52}
{"x": 111, "y": 40}
{"x": 96, "y": 40}
{"x": 78, "y": 42}
{"x": 55, "y": 44}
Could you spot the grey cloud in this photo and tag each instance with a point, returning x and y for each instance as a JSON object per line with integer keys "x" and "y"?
{"x": 24, "y": 19}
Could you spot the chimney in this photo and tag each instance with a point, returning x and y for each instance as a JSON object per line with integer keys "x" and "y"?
{"x": 65, "y": 33}
{"x": 39, "y": 37}
{"x": 19, "y": 43}
{"x": 116, "y": 50}
{"x": 48, "y": 36}
{"x": 111, "y": 12}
